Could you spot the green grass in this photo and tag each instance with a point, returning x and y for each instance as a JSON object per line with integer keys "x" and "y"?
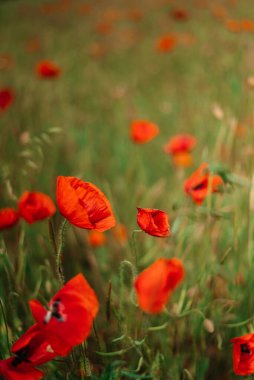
{"x": 91, "y": 106}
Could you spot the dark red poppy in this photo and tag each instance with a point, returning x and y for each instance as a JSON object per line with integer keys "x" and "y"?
{"x": 28, "y": 352}
{"x": 201, "y": 183}
{"x": 8, "y": 217}
{"x": 155, "y": 284}
{"x": 68, "y": 320}
{"x": 153, "y": 222}
{"x": 35, "y": 206}
{"x": 83, "y": 204}
{"x": 179, "y": 14}
{"x": 48, "y": 69}
{"x": 143, "y": 131}
{"x": 6, "y": 98}
{"x": 167, "y": 43}
{"x": 24, "y": 371}
{"x": 243, "y": 355}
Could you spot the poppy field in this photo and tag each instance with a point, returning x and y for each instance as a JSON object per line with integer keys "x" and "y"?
{"x": 126, "y": 190}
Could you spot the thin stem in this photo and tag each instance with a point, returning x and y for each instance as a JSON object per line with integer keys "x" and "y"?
{"x": 5, "y": 323}
{"x": 59, "y": 265}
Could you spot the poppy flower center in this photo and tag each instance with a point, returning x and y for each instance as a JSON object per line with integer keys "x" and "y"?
{"x": 56, "y": 311}
{"x": 21, "y": 356}
{"x": 201, "y": 186}
{"x": 245, "y": 349}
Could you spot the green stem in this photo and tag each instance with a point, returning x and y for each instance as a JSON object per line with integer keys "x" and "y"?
{"x": 5, "y": 323}
{"x": 59, "y": 265}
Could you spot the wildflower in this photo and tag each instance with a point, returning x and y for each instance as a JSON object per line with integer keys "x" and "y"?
{"x": 180, "y": 147}
{"x": 69, "y": 318}
{"x": 8, "y": 217}
{"x": 201, "y": 183}
{"x": 155, "y": 284}
{"x": 153, "y": 222}
{"x": 243, "y": 355}
{"x": 96, "y": 238}
{"x": 35, "y": 206}
{"x": 6, "y": 98}
{"x": 167, "y": 43}
{"x": 48, "y": 69}
{"x": 29, "y": 351}
{"x": 83, "y": 204}
{"x": 143, "y": 131}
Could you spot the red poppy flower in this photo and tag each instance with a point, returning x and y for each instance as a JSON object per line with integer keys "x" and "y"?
{"x": 8, "y": 217}
{"x": 83, "y": 204}
{"x": 166, "y": 43}
{"x": 142, "y": 131}
{"x": 180, "y": 144}
{"x": 24, "y": 371}
{"x": 201, "y": 183}
{"x": 243, "y": 355}
{"x": 96, "y": 238}
{"x": 35, "y": 206}
{"x": 180, "y": 147}
{"x": 48, "y": 69}
{"x": 155, "y": 284}
{"x": 153, "y": 222}
{"x": 68, "y": 320}
{"x": 6, "y": 98}
{"x": 29, "y": 351}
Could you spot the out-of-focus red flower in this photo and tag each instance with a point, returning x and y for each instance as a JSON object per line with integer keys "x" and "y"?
{"x": 48, "y": 69}
{"x": 29, "y": 351}
{"x": 120, "y": 233}
{"x": 155, "y": 284}
{"x": 69, "y": 318}
{"x": 180, "y": 147}
{"x": 6, "y": 98}
{"x": 167, "y": 43}
{"x": 8, "y": 217}
{"x": 143, "y": 131}
{"x": 83, "y": 204}
{"x": 180, "y": 144}
{"x": 179, "y": 14}
{"x": 233, "y": 25}
{"x": 153, "y": 222}
{"x": 247, "y": 25}
{"x": 243, "y": 355}
{"x": 201, "y": 183}
{"x": 104, "y": 28}
{"x": 35, "y": 206}
{"x": 219, "y": 12}
{"x": 96, "y": 238}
